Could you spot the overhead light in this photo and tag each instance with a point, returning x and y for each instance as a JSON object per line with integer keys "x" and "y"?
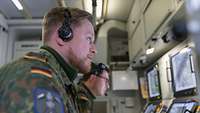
{"x": 18, "y": 4}
{"x": 149, "y": 51}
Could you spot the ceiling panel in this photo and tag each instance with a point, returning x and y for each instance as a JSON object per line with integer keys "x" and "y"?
{"x": 38, "y": 8}
{"x": 116, "y": 9}
{"x": 119, "y": 9}
{"x": 9, "y": 9}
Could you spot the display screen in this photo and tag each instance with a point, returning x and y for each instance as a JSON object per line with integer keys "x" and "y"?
{"x": 150, "y": 108}
{"x": 153, "y": 82}
{"x": 183, "y": 70}
{"x": 182, "y": 107}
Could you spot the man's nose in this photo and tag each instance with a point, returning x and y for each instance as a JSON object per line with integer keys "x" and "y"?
{"x": 93, "y": 49}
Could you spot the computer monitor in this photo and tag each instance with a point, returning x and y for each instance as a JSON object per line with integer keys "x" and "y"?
{"x": 182, "y": 106}
{"x": 183, "y": 73}
{"x": 151, "y": 108}
{"x": 153, "y": 83}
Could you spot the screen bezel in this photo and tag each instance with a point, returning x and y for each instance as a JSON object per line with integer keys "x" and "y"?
{"x": 158, "y": 97}
{"x": 187, "y": 91}
{"x": 156, "y": 103}
{"x": 184, "y": 101}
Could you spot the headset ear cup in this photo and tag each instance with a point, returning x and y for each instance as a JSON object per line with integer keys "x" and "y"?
{"x": 65, "y": 32}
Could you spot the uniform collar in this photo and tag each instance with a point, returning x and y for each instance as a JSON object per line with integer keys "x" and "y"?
{"x": 68, "y": 69}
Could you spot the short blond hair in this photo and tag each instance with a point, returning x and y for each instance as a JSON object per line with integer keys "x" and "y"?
{"x": 55, "y": 17}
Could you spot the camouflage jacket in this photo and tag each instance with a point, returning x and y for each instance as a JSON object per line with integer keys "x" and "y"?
{"x": 85, "y": 98}
{"x": 38, "y": 83}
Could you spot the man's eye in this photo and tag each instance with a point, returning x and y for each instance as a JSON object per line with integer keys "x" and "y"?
{"x": 89, "y": 39}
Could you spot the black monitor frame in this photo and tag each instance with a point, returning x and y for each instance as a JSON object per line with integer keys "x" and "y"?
{"x": 157, "y": 97}
{"x": 187, "y": 91}
{"x": 184, "y": 102}
{"x": 155, "y": 103}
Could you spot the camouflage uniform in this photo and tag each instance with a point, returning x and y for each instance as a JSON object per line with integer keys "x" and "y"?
{"x": 38, "y": 83}
{"x": 85, "y": 98}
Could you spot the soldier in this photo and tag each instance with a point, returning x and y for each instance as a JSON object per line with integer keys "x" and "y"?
{"x": 93, "y": 84}
{"x": 43, "y": 82}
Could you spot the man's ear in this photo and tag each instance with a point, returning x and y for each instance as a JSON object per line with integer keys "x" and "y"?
{"x": 59, "y": 41}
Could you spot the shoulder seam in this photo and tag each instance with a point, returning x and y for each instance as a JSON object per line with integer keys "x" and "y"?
{"x": 35, "y": 58}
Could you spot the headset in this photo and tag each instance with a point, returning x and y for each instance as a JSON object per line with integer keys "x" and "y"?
{"x": 65, "y": 32}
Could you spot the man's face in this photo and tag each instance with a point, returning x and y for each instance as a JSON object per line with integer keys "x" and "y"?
{"x": 102, "y": 83}
{"x": 82, "y": 48}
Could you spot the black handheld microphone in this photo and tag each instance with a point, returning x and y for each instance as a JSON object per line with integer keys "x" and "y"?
{"x": 97, "y": 69}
